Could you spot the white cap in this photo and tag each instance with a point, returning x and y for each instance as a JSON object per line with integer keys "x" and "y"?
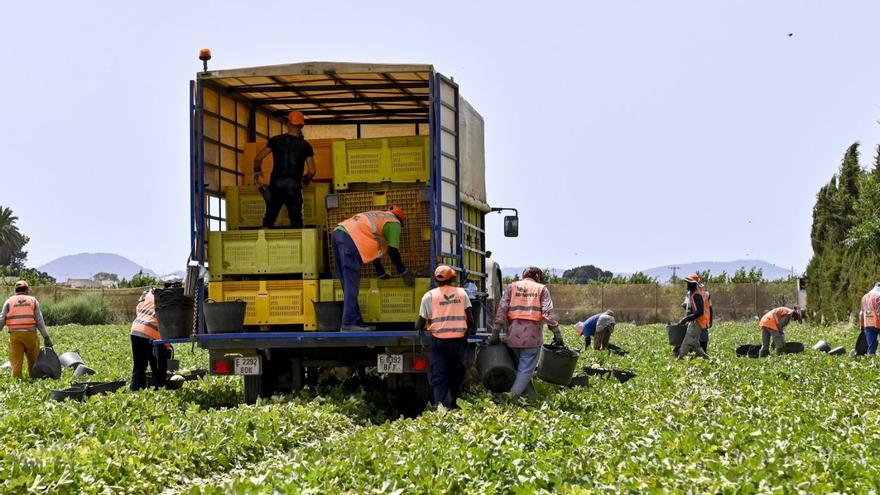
{"x": 173, "y": 279}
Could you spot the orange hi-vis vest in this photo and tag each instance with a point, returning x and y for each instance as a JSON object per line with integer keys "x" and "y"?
{"x": 448, "y": 312}
{"x": 525, "y": 301}
{"x": 704, "y": 319}
{"x": 870, "y": 309}
{"x": 145, "y": 323}
{"x": 22, "y": 315}
{"x": 773, "y": 317}
{"x": 365, "y": 229}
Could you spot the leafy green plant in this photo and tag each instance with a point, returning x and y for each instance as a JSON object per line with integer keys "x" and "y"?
{"x": 86, "y": 309}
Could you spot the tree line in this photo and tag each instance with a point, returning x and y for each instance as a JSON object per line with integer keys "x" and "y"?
{"x": 845, "y": 237}
{"x": 590, "y": 274}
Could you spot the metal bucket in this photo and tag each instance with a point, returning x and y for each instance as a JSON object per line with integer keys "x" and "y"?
{"x": 72, "y": 393}
{"x": 822, "y": 346}
{"x": 83, "y": 370}
{"x": 837, "y": 351}
{"x": 71, "y": 359}
{"x": 328, "y": 315}
{"x": 675, "y": 333}
{"x": 225, "y": 317}
{"x": 495, "y": 367}
{"x": 174, "y": 310}
{"x": 557, "y": 364}
{"x": 47, "y": 365}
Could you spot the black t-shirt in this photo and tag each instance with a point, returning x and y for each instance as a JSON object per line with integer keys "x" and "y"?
{"x": 289, "y": 155}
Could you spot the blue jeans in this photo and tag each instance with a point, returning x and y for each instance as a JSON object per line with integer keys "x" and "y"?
{"x": 447, "y": 369}
{"x": 348, "y": 269}
{"x": 871, "y": 336}
{"x": 526, "y": 362}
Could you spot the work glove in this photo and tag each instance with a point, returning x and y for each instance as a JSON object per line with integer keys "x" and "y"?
{"x": 47, "y": 342}
{"x": 408, "y": 278}
{"x": 494, "y": 339}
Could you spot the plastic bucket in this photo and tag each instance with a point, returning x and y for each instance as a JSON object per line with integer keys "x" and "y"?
{"x": 750, "y": 350}
{"x": 822, "y": 346}
{"x": 838, "y": 351}
{"x": 47, "y": 365}
{"x": 861, "y": 347}
{"x": 72, "y": 393}
{"x": 557, "y": 364}
{"x": 174, "y": 310}
{"x": 675, "y": 333}
{"x": 328, "y": 315}
{"x": 71, "y": 359}
{"x": 225, "y": 317}
{"x": 793, "y": 348}
{"x": 495, "y": 367}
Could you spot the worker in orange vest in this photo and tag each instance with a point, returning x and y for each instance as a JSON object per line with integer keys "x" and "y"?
{"x": 698, "y": 318}
{"x": 293, "y": 167}
{"x": 524, "y": 309}
{"x": 21, "y": 314}
{"x": 772, "y": 325}
{"x": 446, "y": 312}
{"x": 869, "y": 317}
{"x": 365, "y": 238}
{"x": 144, "y": 330}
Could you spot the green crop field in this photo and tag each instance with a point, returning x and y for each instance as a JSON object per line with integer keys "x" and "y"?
{"x": 800, "y": 423}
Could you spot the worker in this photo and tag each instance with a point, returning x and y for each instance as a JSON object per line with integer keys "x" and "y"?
{"x": 772, "y": 325}
{"x": 144, "y": 330}
{"x": 697, "y": 318}
{"x": 446, "y": 312}
{"x": 598, "y": 329}
{"x": 493, "y": 288}
{"x": 524, "y": 309}
{"x": 293, "y": 167}
{"x": 869, "y": 317}
{"x": 364, "y": 238}
{"x": 21, "y": 314}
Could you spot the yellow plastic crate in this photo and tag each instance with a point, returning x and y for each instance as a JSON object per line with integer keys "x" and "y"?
{"x": 252, "y": 252}
{"x": 382, "y": 301}
{"x": 373, "y": 161}
{"x": 245, "y": 207}
{"x": 271, "y": 302}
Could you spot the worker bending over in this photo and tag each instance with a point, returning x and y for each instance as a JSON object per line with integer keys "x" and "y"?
{"x": 293, "y": 167}
{"x": 446, "y": 311}
{"x": 869, "y": 317}
{"x": 364, "y": 238}
{"x": 597, "y": 328}
{"x": 21, "y": 314}
{"x": 772, "y": 325}
{"x": 144, "y": 330}
{"x": 524, "y": 309}
{"x": 697, "y": 318}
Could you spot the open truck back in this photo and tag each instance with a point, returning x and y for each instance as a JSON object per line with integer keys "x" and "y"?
{"x": 383, "y": 134}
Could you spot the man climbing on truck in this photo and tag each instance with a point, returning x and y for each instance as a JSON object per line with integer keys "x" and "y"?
{"x": 293, "y": 167}
{"x": 364, "y": 238}
{"x": 446, "y": 312}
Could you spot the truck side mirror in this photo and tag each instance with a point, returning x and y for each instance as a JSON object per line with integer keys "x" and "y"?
{"x": 511, "y": 226}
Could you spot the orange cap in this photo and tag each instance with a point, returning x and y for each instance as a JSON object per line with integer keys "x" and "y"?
{"x": 296, "y": 118}
{"x": 398, "y": 212}
{"x": 444, "y": 273}
{"x": 692, "y": 278}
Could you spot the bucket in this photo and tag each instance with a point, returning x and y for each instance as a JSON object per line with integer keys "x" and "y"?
{"x": 675, "y": 333}
{"x": 95, "y": 388}
{"x": 70, "y": 359}
{"x": 225, "y": 317}
{"x": 72, "y": 393}
{"x": 822, "y": 346}
{"x": 623, "y": 376}
{"x": 750, "y": 350}
{"x": 47, "y": 364}
{"x": 837, "y": 351}
{"x": 328, "y": 315}
{"x": 174, "y": 310}
{"x": 83, "y": 370}
{"x": 861, "y": 347}
{"x": 793, "y": 348}
{"x": 557, "y": 364}
{"x": 495, "y": 367}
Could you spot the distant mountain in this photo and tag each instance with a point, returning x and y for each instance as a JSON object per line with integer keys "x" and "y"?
{"x": 86, "y": 265}
{"x": 771, "y": 271}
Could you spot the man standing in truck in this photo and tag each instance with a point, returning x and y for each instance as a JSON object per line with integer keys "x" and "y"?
{"x": 293, "y": 167}
{"x": 364, "y": 238}
{"x": 525, "y": 307}
{"x": 446, "y": 312}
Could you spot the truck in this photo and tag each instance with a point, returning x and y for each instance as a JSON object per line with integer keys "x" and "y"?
{"x": 350, "y": 109}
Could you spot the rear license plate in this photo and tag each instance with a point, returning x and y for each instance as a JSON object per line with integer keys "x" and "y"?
{"x": 390, "y": 363}
{"x": 247, "y": 366}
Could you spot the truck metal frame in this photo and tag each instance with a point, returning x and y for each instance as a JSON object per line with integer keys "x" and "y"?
{"x": 356, "y": 98}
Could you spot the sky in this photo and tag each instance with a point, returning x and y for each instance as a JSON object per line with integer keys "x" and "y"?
{"x": 629, "y": 134}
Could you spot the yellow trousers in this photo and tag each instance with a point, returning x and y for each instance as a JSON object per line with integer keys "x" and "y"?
{"x": 23, "y": 344}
